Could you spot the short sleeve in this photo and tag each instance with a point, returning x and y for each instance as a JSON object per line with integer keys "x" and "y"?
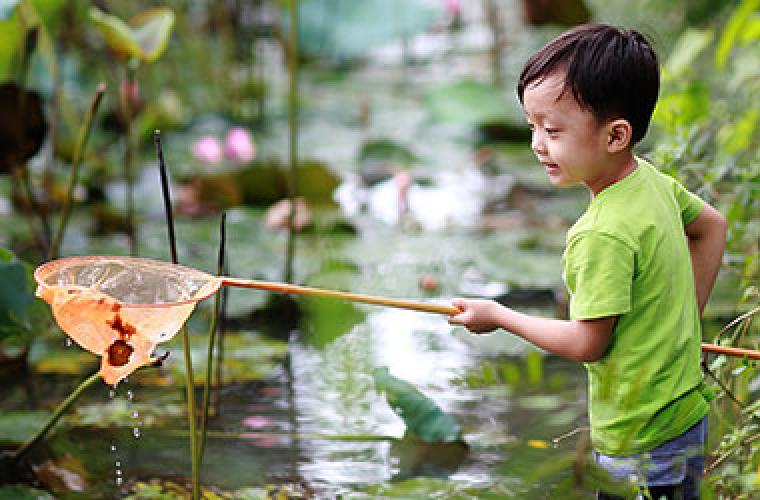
{"x": 690, "y": 204}
{"x": 599, "y": 271}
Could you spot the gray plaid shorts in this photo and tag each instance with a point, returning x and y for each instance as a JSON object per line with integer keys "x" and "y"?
{"x": 678, "y": 462}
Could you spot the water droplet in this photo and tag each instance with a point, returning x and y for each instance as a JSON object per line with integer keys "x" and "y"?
{"x": 135, "y": 414}
{"x": 555, "y": 443}
{"x": 113, "y": 447}
{"x": 119, "y": 480}
{"x": 136, "y": 432}
{"x": 118, "y": 472}
{"x": 118, "y": 465}
{"x": 111, "y": 393}
{"x": 130, "y": 395}
{"x": 67, "y": 342}
{"x": 125, "y": 379}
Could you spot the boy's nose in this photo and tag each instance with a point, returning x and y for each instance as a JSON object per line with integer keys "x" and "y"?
{"x": 537, "y": 143}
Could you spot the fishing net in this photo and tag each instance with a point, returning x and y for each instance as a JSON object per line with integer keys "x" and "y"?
{"x": 120, "y": 308}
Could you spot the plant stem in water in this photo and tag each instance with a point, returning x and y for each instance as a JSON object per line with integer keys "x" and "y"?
{"x": 212, "y": 342}
{"x": 292, "y": 56}
{"x": 60, "y": 410}
{"x": 189, "y": 379}
{"x": 84, "y": 134}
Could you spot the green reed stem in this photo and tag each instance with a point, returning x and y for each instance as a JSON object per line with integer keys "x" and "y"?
{"x": 189, "y": 380}
{"x": 84, "y": 134}
{"x": 60, "y": 410}
{"x": 212, "y": 341}
{"x": 292, "y": 53}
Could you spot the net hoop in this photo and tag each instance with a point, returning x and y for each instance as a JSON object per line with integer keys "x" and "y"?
{"x": 211, "y": 286}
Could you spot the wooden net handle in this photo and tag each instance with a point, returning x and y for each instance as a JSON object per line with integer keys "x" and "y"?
{"x": 417, "y": 306}
{"x": 731, "y": 351}
{"x": 354, "y": 297}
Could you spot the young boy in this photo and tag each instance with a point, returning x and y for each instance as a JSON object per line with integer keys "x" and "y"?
{"x": 639, "y": 263}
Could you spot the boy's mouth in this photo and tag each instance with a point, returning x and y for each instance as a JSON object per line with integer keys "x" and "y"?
{"x": 551, "y": 167}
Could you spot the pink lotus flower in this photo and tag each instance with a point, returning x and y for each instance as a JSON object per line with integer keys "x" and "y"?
{"x": 208, "y": 149}
{"x": 239, "y": 146}
{"x": 452, "y": 6}
{"x": 257, "y": 421}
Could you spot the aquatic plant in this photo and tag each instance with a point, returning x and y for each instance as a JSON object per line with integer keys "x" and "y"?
{"x": 142, "y": 40}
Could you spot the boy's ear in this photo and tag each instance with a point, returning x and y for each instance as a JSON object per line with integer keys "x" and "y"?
{"x": 619, "y": 133}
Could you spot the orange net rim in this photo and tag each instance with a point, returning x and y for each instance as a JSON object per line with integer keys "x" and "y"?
{"x": 45, "y": 269}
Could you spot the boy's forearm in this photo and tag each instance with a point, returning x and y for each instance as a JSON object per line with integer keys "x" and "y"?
{"x": 706, "y": 239}
{"x": 577, "y": 340}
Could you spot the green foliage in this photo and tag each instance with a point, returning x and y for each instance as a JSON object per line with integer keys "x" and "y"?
{"x": 710, "y": 111}
{"x": 145, "y": 37}
{"x": 19, "y": 492}
{"x": 386, "y": 151}
{"x": 18, "y": 426}
{"x": 468, "y": 102}
{"x": 421, "y": 415}
{"x": 20, "y": 311}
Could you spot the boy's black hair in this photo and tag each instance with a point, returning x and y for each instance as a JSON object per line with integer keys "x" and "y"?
{"x": 613, "y": 72}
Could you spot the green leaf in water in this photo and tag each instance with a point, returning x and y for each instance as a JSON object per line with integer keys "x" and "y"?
{"x": 386, "y": 152}
{"x": 20, "y": 492}
{"x": 421, "y": 415}
{"x": 325, "y": 320}
{"x": 18, "y": 426}
{"x": 468, "y": 102}
{"x": 16, "y": 294}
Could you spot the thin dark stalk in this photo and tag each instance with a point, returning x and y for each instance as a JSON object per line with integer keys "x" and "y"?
{"x": 219, "y": 377}
{"x": 167, "y": 196}
{"x": 292, "y": 56}
{"x": 744, "y": 442}
{"x": 212, "y": 342}
{"x": 84, "y": 134}
{"x": 189, "y": 380}
{"x": 722, "y": 385}
{"x": 60, "y": 410}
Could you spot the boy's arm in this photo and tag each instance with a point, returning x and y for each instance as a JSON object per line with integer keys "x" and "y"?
{"x": 706, "y": 236}
{"x": 580, "y": 340}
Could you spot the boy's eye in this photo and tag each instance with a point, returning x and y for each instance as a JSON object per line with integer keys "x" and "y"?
{"x": 552, "y": 131}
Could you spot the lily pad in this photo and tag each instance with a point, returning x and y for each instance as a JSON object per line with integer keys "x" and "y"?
{"x": 471, "y": 102}
{"x": 15, "y": 293}
{"x": 123, "y": 413}
{"x": 324, "y": 320}
{"x": 18, "y": 426}
{"x": 247, "y": 356}
{"x": 421, "y": 415}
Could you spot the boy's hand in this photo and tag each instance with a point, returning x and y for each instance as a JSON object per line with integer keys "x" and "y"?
{"x": 477, "y": 315}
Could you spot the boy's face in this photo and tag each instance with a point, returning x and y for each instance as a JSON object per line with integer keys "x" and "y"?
{"x": 567, "y": 139}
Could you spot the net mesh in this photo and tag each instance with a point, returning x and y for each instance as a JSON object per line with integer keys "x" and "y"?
{"x": 120, "y": 308}
{"x": 129, "y": 280}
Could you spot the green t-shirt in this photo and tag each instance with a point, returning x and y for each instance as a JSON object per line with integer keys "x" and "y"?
{"x": 627, "y": 256}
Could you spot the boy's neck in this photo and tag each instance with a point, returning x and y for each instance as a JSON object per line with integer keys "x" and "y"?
{"x": 621, "y": 167}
